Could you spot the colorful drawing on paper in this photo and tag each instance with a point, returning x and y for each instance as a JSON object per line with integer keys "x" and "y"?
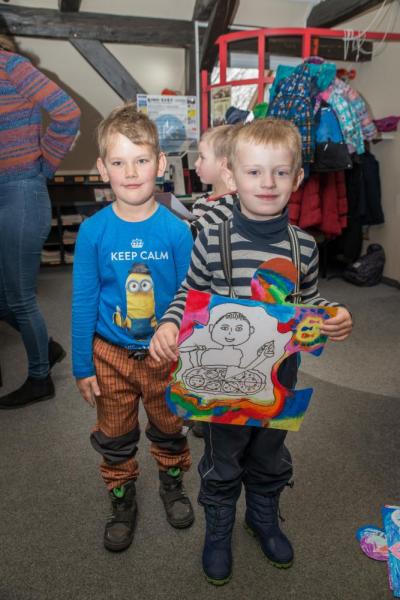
{"x": 391, "y": 525}
{"x": 373, "y": 542}
{"x": 384, "y": 544}
{"x": 231, "y": 351}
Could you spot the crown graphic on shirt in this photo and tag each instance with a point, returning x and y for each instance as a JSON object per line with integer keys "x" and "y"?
{"x": 137, "y": 243}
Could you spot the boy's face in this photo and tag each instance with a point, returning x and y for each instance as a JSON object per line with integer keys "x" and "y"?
{"x": 264, "y": 178}
{"x": 231, "y": 332}
{"x": 131, "y": 170}
{"x": 208, "y": 168}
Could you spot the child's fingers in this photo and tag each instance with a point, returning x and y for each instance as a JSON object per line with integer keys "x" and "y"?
{"x": 339, "y": 338}
{"x": 91, "y": 399}
{"x": 153, "y": 351}
{"x": 164, "y": 344}
{"x": 331, "y": 328}
{"x": 158, "y": 349}
{"x": 337, "y": 333}
{"x": 167, "y": 348}
{"x": 88, "y": 388}
{"x": 95, "y": 387}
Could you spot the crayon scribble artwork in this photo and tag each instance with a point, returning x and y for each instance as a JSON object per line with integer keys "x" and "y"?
{"x": 231, "y": 351}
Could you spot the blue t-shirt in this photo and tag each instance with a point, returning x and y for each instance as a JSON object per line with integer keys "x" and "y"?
{"x": 125, "y": 276}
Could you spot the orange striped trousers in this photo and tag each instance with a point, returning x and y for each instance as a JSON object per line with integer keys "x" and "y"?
{"x": 123, "y": 381}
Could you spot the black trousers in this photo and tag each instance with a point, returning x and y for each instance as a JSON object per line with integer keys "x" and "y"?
{"x": 236, "y": 454}
{"x": 253, "y": 456}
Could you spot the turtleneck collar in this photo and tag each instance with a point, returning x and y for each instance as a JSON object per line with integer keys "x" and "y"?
{"x": 275, "y": 229}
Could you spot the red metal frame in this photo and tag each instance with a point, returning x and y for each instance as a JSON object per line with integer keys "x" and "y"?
{"x": 310, "y": 37}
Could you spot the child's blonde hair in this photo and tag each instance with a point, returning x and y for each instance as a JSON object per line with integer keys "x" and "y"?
{"x": 219, "y": 138}
{"x": 265, "y": 132}
{"x": 136, "y": 126}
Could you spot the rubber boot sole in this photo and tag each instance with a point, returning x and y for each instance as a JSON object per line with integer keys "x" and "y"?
{"x": 278, "y": 565}
{"x": 218, "y": 582}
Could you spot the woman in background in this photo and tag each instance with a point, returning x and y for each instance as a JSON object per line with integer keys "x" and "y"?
{"x": 28, "y": 158}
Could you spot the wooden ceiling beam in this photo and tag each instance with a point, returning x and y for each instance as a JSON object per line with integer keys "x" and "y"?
{"x": 203, "y": 9}
{"x": 107, "y": 28}
{"x": 328, "y": 48}
{"x": 332, "y": 12}
{"x": 69, "y": 5}
{"x": 221, "y": 17}
{"x": 190, "y": 71}
{"x": 109, "y": 68}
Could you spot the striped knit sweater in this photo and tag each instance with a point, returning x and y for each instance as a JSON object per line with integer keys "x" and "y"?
{"x": 252, "y": 243}
{"x": 24, "y": 91}
{"x": 211, "y": 209}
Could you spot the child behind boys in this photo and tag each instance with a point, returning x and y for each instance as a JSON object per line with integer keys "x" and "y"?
{"x": 130, "y": 259}
{"x": 265, "y": 168}
{"x": 215, "y": 206}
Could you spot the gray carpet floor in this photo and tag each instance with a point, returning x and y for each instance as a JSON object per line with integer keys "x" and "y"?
{"x": 347, "y": 465}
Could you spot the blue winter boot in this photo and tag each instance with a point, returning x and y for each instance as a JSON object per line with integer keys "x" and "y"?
{"x": 217, "y": 552}
{"x": 262, "y": 521}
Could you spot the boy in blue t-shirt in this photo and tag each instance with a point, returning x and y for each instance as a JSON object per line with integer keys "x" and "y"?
{"x": 130, "y": 260}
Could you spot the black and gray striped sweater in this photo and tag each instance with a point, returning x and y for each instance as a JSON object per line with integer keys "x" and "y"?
{"x": 209, "y": 210}
{"x": 252, "y": 243}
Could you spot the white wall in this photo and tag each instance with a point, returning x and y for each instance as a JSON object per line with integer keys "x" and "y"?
{"x": 272, "y": 13}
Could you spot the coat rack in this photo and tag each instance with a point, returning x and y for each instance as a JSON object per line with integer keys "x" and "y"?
{"x": 310, "y": 37}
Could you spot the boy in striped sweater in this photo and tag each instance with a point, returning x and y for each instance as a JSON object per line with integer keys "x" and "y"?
{"x": 214, "y": 206}
{"x": 265, "y": 167}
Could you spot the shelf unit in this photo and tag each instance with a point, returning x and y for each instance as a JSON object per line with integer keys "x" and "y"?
{"x": 76, "y": 197}
{"x": 73, "y": 198}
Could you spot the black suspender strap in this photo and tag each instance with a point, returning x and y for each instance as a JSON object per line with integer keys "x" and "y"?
{"x": 226, "y": 253}
{"x": 295, "y": 249}
{"x": 226, "y": 257}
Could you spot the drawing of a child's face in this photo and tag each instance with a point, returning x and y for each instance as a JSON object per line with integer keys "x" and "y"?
{"x": 232, "y": 329}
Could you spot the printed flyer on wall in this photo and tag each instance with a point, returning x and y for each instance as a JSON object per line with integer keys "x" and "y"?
{"x": 175, "y": 117}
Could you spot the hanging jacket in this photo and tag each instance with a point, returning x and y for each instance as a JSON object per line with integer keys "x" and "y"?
{"x": 347, "y": 116}
{"x": 370, "y": 200}
{"x": 321, "y": 204}
{"x": 323, "y": 74}
{"x": 305, "y": 205}
{"x": 293, "y": 102}
{"x": 368, "y": 127}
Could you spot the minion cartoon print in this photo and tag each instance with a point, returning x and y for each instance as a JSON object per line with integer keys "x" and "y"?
{"x": 140, "y": 320}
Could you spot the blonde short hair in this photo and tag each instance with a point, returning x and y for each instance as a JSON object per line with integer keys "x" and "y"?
{"x": 265, "y": 132}
{"x": 219, "y": 138}
{"x": 136, "y": 126}
{"x": 8, "y": 44}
